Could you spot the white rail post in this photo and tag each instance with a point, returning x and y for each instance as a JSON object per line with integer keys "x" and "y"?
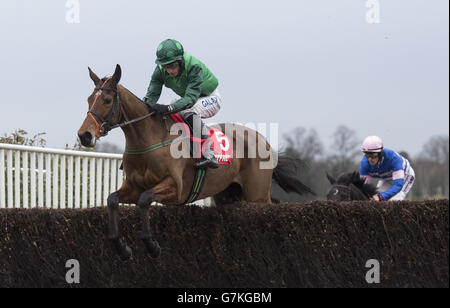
{"x": 2, "y": 179}
{"x": 48, "y": 182}
{"x": 33, "y": 179}
{"x": 113, "y": 176}
{"x": 62, "y": 183}
{"x": 41, "y": 180}
{"x": 77, "y": 182}
{"x": 25, "y": 179}
{"x": 70, "y": 182}
{"x": 17, "y": 201}
{"x": 98, "y": 200}
{"x": 84, "y": 203}
{"x": 92, "y": 182}
{"x": 106, "y": 178}
{"x": 55, "y": 181}
{"x": 9, "y": 178}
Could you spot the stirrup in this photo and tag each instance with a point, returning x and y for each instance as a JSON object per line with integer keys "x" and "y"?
{"x": 207, "y": 163}
{"x": 208, "y": 159}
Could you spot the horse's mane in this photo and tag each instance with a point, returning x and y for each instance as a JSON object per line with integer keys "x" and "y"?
{"x": 354, "y": 178}
{"x": 139, "y": 100}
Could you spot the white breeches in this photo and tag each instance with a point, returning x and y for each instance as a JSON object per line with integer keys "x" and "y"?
{"x": 206, "y": 106}
{"x": 408, "y": 183}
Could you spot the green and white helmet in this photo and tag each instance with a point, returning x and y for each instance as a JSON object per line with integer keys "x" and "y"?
{"x": 169, "y": 51}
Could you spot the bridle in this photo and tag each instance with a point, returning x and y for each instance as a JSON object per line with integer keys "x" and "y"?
{"x": 346, "y": 192}
{"x": 343, "y": 190}
{"x": 103, "y": 126}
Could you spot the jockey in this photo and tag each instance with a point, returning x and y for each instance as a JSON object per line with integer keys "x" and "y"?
{"x": 194, "y": 83}
{"x": 394, "y": 172}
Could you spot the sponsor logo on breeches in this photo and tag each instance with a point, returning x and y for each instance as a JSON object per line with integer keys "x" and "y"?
{"x": 209, "y": 101}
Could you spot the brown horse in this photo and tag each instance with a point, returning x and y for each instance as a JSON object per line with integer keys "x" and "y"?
{"x": 155, "y": 175}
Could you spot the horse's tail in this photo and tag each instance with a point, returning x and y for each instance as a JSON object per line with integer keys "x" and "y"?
{"x": 285, "y": 174}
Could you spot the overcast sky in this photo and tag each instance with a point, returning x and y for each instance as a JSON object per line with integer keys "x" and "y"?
{"x": 316, "y": 64}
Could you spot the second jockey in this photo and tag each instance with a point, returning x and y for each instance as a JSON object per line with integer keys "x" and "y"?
{"x": 394, "y": 172}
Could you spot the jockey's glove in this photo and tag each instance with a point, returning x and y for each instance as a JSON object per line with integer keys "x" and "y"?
{"x": 377, "y": 197}
{"x": 162, "y": 109}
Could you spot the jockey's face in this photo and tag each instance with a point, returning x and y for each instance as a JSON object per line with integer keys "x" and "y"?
{"x": 372, "y": 158}
{"x": 173, "y": 69}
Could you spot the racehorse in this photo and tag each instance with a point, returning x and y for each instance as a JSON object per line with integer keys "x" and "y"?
{"x": 350, "y": 186}
{"x": 153, "y": 174}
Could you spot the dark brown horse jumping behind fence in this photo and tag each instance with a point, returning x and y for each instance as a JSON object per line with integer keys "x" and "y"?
{"x": 350, "y": 186}
{"x": 155, "y": 175}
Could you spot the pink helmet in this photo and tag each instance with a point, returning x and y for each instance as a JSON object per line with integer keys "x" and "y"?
{"x": 372, "y": 144}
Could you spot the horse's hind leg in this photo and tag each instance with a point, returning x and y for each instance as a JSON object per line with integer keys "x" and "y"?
{"x": 152, "y": 246}
{"x": 122, "y": 250}
{"x": 256, "y": 185}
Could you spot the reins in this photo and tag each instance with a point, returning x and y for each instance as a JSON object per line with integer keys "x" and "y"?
{"x": 132, "y": 121}
{"x": 103, "y": 126}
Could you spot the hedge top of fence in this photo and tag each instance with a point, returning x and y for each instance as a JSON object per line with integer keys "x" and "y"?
{"x": 315, "y": 244}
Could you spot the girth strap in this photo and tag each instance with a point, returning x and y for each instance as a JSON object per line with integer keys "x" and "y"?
{"x": 196, "y": 189}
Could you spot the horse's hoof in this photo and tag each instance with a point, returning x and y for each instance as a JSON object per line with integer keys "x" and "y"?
{"x": 126, "y": 253}
{"x": 154, "y": 251}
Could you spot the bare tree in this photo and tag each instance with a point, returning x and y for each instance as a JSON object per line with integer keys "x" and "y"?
{"x": 432, "y": 169}
{"x": 345, "y": 151}
{"x": 304, "y": 144}
{"x": 436, "y": 149}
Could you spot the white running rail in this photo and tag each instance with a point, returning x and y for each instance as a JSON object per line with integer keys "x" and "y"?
{"x": 34, "y": 177}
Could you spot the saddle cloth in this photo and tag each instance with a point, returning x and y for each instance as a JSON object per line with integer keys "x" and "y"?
{"x": 223, "y": 148}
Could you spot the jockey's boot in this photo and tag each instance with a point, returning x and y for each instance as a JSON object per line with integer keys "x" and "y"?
{"x": 207, "y": 160}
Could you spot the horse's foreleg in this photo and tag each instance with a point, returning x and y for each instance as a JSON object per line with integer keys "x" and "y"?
{"x": 122, "y": 250}
{"x": 152, "y": 246}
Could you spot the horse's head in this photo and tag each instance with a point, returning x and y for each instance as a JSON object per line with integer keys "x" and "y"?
{"x": 338, "y": 192}
{"x": 103, "y": 108}
{"x": 347, "y": 187}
